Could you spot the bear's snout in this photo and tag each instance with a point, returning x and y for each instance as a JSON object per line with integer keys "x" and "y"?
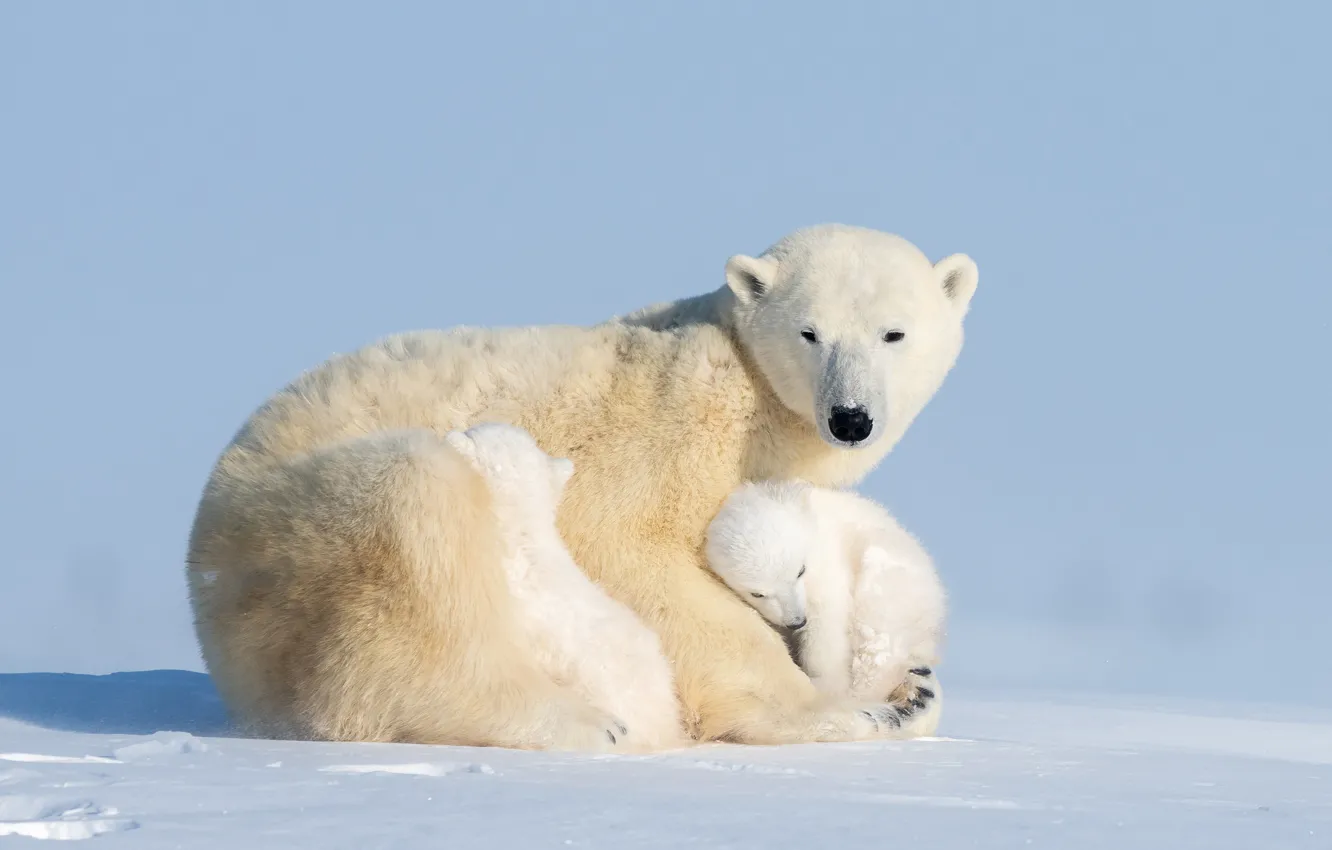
{"x": 850, "y": 424}
{"x": 797, "y": 625}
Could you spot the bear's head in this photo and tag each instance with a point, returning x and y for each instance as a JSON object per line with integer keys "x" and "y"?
{"x": 854, "y": 329}
{"x": 523, "y": 479}
{"x": 759, "y": 545}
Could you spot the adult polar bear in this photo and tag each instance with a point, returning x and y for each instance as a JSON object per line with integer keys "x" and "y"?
{"x": 337, "y": 593}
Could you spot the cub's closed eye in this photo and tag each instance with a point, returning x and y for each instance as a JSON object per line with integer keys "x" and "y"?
{"x": 809, "y": 335}
{"x": 894, "y": 336}
{"x": 757, "y": 595}
{"x": 801, "y": 573}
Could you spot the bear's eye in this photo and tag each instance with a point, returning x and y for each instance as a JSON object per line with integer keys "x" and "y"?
{"x": 894, "y": 336}
{"x": 809, "y": 335}
{"x": 802, "y": 571}
{"x": 757, "y": 595}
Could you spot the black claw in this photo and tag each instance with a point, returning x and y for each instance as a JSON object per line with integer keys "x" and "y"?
{"x": 920, "y": 671}
{"x": 624, "y": 730}
{"x": 869, "y": 715}
{"x": 918, "y": 702}
{"x": 924, "y": 693}
{"x": 890, "y": 716}
{"x": 611, "y": 735}
{"x": 907, "y": 710}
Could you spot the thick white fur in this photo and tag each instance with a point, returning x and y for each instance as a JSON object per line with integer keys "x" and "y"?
{"x": 842, "y": 284}
{"x": 580, "y": 636}
{"x": 865, "y": 589}
{"x": 345, "y": 562}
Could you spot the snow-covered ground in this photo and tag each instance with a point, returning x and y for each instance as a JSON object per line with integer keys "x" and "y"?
{"x": 143, "y": 760}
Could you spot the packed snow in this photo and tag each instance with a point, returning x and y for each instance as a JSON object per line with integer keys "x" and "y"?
{"x": 145, "y": 760}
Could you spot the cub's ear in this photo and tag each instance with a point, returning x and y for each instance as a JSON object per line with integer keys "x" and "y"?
{"x": 750, "y": 278}
{"x": 563, "y": 469}
{"x": 464, "y": 444}
{"x": 958, "y": 276}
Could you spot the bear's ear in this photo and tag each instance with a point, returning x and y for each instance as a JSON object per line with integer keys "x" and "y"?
{"x": 462, "y": 443}
{"x": 750, "y": 278}
{"x": 958, "y": 276}
{"x": 563, "y": 469}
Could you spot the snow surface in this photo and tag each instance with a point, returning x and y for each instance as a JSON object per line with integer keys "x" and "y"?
{"x": 143, "y": 760}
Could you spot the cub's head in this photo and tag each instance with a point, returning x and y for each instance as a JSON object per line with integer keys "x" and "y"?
{"x": 854, "y": 329}
{"x": 518, "y": 471}
{"x": 758, "y": 545}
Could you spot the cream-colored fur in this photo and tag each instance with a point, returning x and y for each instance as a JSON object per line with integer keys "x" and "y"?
{"x": 860, "y": 591}
{"x": 577, "y": 634}
{"x": 345, "y": 588}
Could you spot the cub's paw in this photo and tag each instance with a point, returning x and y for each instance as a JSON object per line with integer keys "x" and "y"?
{"x": 918, "y": 702}
{"x": 885, "y": 719}
{"x": 858, "y": 721}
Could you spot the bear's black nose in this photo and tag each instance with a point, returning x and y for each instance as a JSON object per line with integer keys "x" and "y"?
{"x": 798, "y": 624}
{"x": 850, "y": 424}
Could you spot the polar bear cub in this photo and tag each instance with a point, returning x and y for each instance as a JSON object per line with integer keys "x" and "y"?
{"x": 579, "y": 635}
{"x": 861, "y": 594}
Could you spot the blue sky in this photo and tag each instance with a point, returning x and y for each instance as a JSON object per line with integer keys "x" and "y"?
{"x": 1125, "y": 480}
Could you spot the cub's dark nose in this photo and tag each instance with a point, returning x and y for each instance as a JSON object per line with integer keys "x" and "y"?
{"x": 850, "y": 424}
{"x": 798, "y": 624}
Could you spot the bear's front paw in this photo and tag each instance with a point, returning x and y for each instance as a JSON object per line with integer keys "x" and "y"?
{"x": 608, "y": 732}
{"x": 592, "y": 730}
